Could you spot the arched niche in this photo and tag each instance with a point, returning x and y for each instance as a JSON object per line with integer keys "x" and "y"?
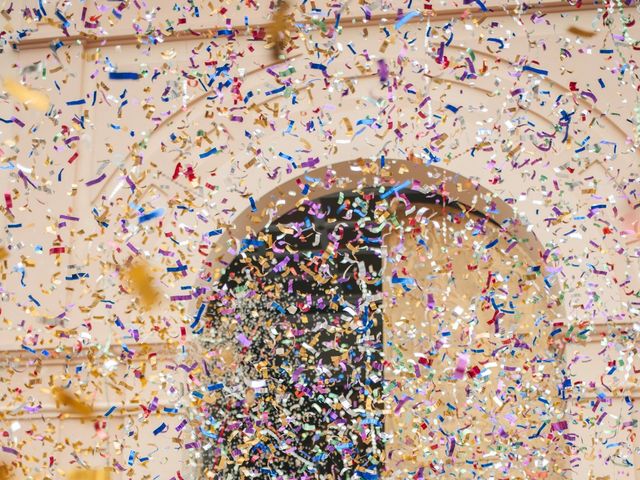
{"x": 431, "y": 180}
{"x": 460, "y": 318}
{"x": 238, "y": 177}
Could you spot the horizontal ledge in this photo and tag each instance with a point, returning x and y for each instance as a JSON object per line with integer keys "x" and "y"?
{"x": 51, "y": 412}
{"x": 633, "y": 394}
{"x": 165, "y": 351}
{"x": 94, "y": 41}
{"x": 141, "y": 351}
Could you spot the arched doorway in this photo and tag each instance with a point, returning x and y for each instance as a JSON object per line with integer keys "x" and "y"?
{"x": 381, "y": 333}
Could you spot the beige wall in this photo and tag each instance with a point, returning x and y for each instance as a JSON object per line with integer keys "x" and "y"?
{"x": 486, "y": 104}
{"x": 448, "y": 304}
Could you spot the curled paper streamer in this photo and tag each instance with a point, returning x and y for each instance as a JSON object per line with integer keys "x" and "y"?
{"x": 31, "y": 98}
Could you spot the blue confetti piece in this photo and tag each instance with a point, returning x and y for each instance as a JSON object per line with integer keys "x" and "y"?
{"x": 161, "y": 428}
{"x": 482, "y": 6}
{"x": 61, "y": 17}
{"x": 123, "y": 76}
{"x": 539, "y": 71}
{"x": 406, "y": 18}
{"x": 278, "y": 307}
{"x": 180, "y": 268}
{"x": 496, "y": 40}
{"x": 151, "y": 215}
{"x": 393, "y": 190}
{"x": 492, "y": 244}
{"x": 110, "y": 411}
{"x": 432, "y": 157}
{"x": 246, "y": 243}
{"x": 367, "y": 475}
{"x": 318, "y": 66}
{"x": 207, "y": 433}
{"x": 208, "y": 153}
{"x": 275, "y": 91}
{"x": 198, "y": 315}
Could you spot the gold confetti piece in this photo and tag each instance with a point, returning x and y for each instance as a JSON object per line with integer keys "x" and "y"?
{"x": 6, "y": 471}
{"x": 98, "y": 474}
{"x": 31, "y": 98}
{"x": 348, "y": 125}
{"x": 68, "y": 400}
{"x": 227, "y": 355}
{"x": 581, "y": 32}
{"x": 278, "y": 32}
{"x": 168, "y": 54}
{"x": 141, "y": 283}
{"x": 3, "y": 253}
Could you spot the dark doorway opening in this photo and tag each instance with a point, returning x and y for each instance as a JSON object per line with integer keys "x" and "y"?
{"x": 304, "y": 299}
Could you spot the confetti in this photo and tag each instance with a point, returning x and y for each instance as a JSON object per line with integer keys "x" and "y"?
{"x": 71, "y": 402}
{"x": 140, "y": 280}
{"x": 151, "y": 215}
{"x": 406, "y": 18}
{"x": 89, "y": 474}
{"x": 6, "y": 471}
{"x": 396, "y": 241}
{"x": 123, "y": 76}
{"x": 279, "y": 30}
{"x": 29, "y": 97}
{"x": 581, "y": 32}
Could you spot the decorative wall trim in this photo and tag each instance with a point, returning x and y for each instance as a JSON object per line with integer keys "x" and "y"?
{"x": 141, "y": 351}
{"x": 442, "y": 15}
{"x": 52, "y": 412}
